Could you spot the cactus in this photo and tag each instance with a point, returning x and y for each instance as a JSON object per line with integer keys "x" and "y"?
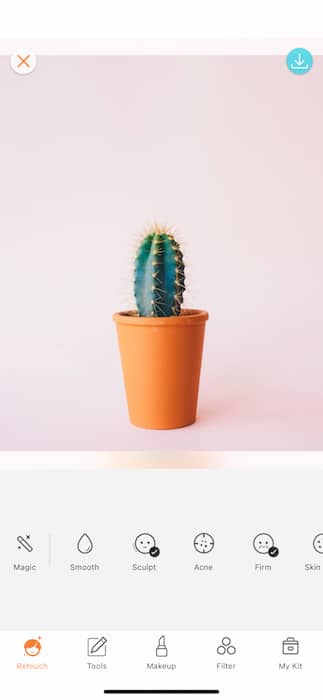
{"x": 159, "y": 275}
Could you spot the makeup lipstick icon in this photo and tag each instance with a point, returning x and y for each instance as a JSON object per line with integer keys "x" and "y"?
{"x": 161, "y": 647}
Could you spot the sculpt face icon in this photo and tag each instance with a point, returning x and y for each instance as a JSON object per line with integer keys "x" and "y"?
{"x": 144, "y": 543}
{"x": 318, "y": 543}
{"x": 204, "y": 543}
{"x": 263, "y": 543}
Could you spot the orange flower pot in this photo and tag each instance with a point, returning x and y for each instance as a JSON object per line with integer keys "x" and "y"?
{"x": 161, "y": 361}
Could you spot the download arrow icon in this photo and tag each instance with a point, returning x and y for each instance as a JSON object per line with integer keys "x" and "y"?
{"x": 300, "y": 60}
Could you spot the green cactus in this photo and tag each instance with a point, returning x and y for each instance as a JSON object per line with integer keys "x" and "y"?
{"x": 159, "y": 275}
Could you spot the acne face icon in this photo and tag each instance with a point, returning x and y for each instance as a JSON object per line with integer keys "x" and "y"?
{"x": 204, "y": 543}
{"x": 318, "y": 543}
{"x": 263, "y": 543}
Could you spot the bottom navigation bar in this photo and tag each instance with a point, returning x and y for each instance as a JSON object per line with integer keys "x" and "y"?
{"x": 93, "y": 663}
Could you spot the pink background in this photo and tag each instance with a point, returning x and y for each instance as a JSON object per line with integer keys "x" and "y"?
{"x": 228, "y": 149}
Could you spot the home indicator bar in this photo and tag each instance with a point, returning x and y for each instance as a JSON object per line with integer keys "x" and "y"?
{"x": 162, "y": 692}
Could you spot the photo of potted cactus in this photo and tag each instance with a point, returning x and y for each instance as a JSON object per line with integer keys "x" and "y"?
{"x": 160, "y": 343}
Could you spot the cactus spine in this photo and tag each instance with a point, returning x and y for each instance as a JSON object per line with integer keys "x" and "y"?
{"x": 159, "y": 275}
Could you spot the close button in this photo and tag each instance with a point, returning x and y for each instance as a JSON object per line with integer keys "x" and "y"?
{"x": 23, "y": 61}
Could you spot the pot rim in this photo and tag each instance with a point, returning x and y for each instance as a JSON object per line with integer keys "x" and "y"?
{"x": 187, "y": 317}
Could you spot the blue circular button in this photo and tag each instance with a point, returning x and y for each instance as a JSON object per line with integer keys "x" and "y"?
{"x": 299, "y": 61}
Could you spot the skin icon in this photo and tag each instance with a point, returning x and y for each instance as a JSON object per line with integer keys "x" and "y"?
{"x": 318, "y": 543}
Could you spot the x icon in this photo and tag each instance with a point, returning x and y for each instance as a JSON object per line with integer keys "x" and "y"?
{"x": 23, "y": 61}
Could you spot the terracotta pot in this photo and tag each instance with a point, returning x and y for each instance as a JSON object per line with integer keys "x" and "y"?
{"x": 161, "y": 360}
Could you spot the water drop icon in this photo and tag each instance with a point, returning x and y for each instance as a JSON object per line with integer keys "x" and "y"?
{"x": 85, "y": 544}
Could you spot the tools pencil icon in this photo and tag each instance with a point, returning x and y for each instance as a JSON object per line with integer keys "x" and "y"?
{"x": 97, "y": 646}
{"x": 25, "y": 543}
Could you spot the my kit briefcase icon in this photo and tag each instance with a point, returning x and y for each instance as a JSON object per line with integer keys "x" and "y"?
{"x": 290, "y": 646}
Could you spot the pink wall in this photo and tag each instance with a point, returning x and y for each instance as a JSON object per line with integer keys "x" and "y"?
{"x": 230, "y": 150}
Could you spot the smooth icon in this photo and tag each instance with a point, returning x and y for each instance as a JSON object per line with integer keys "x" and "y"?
{"x": 161, "y": 649}
{"x": 85, "y": 544}
{"x": 264, "y": 544}
{"x": 290, "y": 646}
{"x": 23, "y": 61}
{"x": 25, "y": 543}
{"x": 203, "y": 543}
{"x": 299, "y": 61}
{"x": 318, "y": 543}
{"x": 146, "y": 544}
{"x": 226, "y": 647}
{"x": 97, "y": 646}
{"x": 32, "y": 647}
